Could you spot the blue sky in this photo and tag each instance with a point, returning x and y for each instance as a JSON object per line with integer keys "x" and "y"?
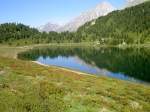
{"x": 38, "y": 12}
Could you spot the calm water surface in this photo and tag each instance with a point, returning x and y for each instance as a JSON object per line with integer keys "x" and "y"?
{"x": 126, "y": 64}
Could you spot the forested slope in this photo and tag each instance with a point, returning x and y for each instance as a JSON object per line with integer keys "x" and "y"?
{"x": 130, "y": 25}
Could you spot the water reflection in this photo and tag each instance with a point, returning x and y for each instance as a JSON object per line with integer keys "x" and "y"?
{"x": 127, "y": 64}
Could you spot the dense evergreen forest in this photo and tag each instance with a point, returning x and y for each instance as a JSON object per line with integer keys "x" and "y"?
{"x": 13, "y": 33}
{"x": 128, "y": 26}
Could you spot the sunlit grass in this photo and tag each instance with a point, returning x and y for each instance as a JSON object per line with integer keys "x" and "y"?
{"x": 26, "y": 86}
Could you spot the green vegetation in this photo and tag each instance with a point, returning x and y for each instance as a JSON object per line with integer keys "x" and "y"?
{"x": 19, "y": 35}
{"x": 26, "y": 86}
{"x": 128, "y": 26}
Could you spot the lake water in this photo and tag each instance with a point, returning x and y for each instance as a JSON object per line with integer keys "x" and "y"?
{"x": 126, "y": 64}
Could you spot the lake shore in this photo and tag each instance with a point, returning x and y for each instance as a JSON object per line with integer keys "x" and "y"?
{"x": 66, "y": 69}
{"x": 30, "y": 84}
{"x": 86, "y": 44}
{"x": 11, "y": 52}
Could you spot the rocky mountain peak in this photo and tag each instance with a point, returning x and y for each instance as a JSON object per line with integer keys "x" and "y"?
{"x": 101, "y": 9}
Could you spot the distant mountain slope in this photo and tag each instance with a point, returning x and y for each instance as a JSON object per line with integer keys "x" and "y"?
{"x": 49, "y": 27}
{"x": 131, "y": 25}
{"x": 134, "y": 2}
{"x": 100, "y": 10}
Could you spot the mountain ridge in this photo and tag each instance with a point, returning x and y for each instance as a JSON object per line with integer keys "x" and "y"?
{"x": 101, "y": 9}
{"x": 130, "y": 3}
{"x": 48, "y": 27}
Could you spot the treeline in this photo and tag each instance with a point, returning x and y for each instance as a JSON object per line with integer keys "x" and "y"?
{"x": 128, "y": 26}
{"x": 11, "y": 31}
{"x": 21, "y": 34}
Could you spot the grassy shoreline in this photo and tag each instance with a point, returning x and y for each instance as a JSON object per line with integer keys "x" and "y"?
{"x": 27, "y": 86}
{"x": 11, "y": 52}
{"x": 88, "y": 44}
{"x": 4, "y": 49}
{"x": 65, "y": 69}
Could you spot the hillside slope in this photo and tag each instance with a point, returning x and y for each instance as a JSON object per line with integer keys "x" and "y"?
{"x": 101, "y": 9}
{"x": 130, "y": 25}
